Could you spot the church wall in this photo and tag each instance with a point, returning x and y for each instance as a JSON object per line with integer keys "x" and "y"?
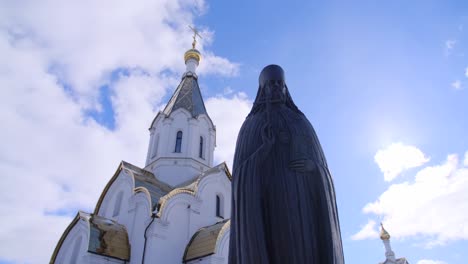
{"x": 178, "y": 122}
{"x": 222, "y": 250}
{"x": 211, "y": 136}
{"x": 78, "y": 234}
{"x": 202, "y": 127}
{"x": 134, "y": 212}
{"x": 152, "y": 152}
{"x": 169, "y": 238}
{"x": 173, "y": 167}
{"x": 209, "y": 187}
{"x": 155, "y": 131}
{"x": 98, "y": 259}
{"x": 174, "y": 172}
{"x": 123, "y": 184}
{"x": 140, "y": 217}
{"x": 185, "y": 214}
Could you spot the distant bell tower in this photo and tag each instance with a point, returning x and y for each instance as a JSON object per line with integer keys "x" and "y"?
{"x": 389, "y": 254}
{"x": 182, "y": 136}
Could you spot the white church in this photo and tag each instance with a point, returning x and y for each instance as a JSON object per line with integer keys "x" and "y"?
{"x": 174, "y": 210}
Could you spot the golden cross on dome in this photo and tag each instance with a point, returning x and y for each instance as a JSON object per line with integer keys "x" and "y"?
{"x": 195, "y": 34}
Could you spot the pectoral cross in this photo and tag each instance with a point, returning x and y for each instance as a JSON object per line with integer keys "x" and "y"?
{"x": 195, "y": 34}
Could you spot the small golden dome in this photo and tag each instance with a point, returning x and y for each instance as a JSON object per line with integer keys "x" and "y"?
{"x": 384, "y": 235}
{"x": 192, "y": 54}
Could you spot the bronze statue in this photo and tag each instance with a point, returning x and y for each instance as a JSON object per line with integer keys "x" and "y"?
{"x": 283, "y": 199}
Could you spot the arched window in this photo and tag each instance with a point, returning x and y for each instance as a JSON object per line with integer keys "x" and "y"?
{"x": 118, "y": 204}
{"x": 155, "y": 146}
{"x": 76, "y": 249}
{"x": 178, "y": 143}
{"x": 200, "y": 151}
{"x": 219, "y": 206}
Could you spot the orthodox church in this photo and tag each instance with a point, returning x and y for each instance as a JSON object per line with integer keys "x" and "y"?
{"x": 174, "y": 210}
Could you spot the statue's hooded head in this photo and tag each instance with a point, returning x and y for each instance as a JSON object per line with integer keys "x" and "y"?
{"x": 272, "y": 89}
{"x": 271, "y": 73}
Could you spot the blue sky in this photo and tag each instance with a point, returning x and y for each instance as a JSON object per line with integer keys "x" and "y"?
{"x": 367, "y": 74}
{"x": 81, "y": 84}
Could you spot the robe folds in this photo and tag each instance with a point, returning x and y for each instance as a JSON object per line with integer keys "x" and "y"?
{"x": 283, "y": 199}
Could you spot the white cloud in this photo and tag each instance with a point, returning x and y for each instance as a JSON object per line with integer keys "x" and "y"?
{"x": 227, "y": 90}
{"x": 432, "y": 207}
{"x": 228, "y": 114}
{"x": 88, "y": 39}
{"x": 218, "y": 65}
{"x": 367, "y": 232}
{"x": 457, "y": 85}
{"x": 397, "y": 158}
{"x": 428, "y": 261}
{"x": 55, "y": 56}
{"x": 449, "y": 46}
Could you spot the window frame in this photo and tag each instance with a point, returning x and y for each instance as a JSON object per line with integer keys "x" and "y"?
{"x": 178, "y": 143}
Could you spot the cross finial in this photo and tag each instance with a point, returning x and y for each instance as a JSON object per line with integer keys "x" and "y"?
{"x": 195, "y": 34}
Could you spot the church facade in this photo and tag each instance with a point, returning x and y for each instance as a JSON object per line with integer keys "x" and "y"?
{"x": 176, "y": 209}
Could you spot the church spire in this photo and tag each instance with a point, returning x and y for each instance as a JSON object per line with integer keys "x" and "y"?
{"x": 385, "y": 236}
{"x": 188, "y": 95}
{"x": 192, "y": 56}
{"x": 183, "y": 136}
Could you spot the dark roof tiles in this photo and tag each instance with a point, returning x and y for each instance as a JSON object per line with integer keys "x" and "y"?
{"x": 187, "y": 96}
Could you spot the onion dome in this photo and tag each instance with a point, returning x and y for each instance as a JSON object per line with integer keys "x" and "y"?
{"x": 192, "y": 54}
{"x": 384, "y": 235}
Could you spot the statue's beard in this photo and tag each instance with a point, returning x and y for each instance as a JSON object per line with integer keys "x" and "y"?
{"x": 269, "y": 96}
{"x": 273, "y": 94}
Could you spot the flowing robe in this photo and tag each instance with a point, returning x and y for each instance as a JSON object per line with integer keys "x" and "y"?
{"x": 283, "y": 200}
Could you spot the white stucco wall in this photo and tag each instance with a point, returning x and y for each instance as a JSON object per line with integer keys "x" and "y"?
{"x": 174, "y": 167}
{"x": 183, "y": 215}
{"x": 80, "y": 232}
{"x": 123, "y": 184}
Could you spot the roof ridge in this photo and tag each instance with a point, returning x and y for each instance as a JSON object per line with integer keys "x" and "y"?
{"x": 187, "y": 96}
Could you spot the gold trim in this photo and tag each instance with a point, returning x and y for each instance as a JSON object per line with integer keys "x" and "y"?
{"x": 191, "y": 188}
{"x": 127, "y": 166}
{"x": 192, "y": 54}
{"x": 225, "y": 227}
{"x": 205, "y": 241}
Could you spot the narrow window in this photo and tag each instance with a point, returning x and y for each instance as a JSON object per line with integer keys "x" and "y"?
{"x": 118, "y": 203}
{"x": 200, "y": 152}
{"x": 76, "y": 249}
{"x": 219, "y": 207}
{"x": 178, "y": 142}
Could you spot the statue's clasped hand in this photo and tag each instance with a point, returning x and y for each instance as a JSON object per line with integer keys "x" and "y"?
{"x": 303, "y": 165}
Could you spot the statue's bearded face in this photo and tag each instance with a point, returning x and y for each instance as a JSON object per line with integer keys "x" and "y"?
{"x": 276, "y": 84}
{"x": 273, "y": 84}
